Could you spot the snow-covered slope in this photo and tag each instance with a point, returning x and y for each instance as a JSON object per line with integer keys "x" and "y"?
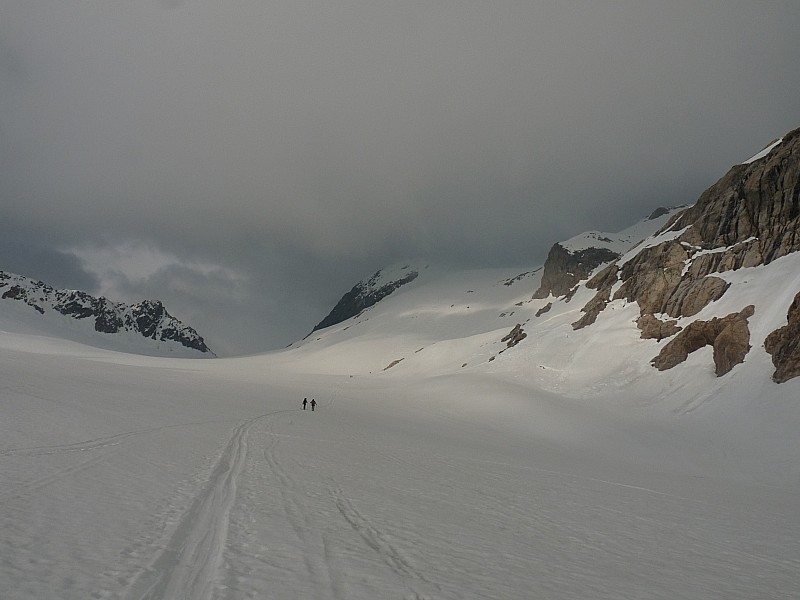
{"x": 454, "y": 324}
{"x": 132, "y": 477}
{"x": 449, "y": 317}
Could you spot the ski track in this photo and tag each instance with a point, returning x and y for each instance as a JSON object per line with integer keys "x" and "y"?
{"x": 189, "y": 565}
{"x": 379, "y": 542}
{"x": 316, "y": 552}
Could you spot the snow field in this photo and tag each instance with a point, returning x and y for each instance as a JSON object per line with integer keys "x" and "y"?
{"x": 149, "y": 478}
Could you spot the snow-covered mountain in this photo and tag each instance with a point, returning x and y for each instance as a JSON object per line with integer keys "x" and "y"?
{"x": 721, "y": 274}
{"x": 145, "y": 327}
{"x": 620, "y": 432}
{"x": 367, "y": 292}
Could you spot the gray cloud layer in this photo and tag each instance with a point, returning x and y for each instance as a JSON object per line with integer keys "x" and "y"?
{"x": 279, "y": 151}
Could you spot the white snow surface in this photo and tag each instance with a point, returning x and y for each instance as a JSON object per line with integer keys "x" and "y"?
{"x": 565, "y": 467}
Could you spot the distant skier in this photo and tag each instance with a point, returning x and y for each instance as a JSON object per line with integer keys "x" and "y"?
{"x": 313, "y": 404}
{"x": 305, "y": 401}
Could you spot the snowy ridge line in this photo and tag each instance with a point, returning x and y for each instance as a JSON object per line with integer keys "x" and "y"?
{"x": 144, "y": 325}
{"x": 189, "y": 564}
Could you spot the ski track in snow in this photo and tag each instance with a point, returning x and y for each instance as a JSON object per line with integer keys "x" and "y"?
{"x": 304, "y": 512}
{"x": 189, "y": 566}
{"x": 380, "y": 543}
{"x": 316, "y": 553}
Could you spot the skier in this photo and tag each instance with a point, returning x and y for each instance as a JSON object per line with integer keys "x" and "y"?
{"x": 305, "y": 401}
{"x": 313, "y": 404}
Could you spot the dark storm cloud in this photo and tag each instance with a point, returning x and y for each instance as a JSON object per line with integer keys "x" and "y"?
{"x": 299, "y": 146}
{"x": 26, "y": 256}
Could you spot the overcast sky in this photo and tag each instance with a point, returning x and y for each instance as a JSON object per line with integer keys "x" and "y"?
{"x": 247, "y": 162}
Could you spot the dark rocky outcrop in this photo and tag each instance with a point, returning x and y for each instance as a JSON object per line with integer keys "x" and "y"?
{"x": 563, "y": 269}
{"x": 602, "y": 282}
{"x": 393, "y": 363}
{"x": 363, "y": 295}
{"x": 729, "y": 336}
{"x": 515, "y": 336}
{"x": 653, "y": 328}
{"x": 18, "y": 292}
{"x": 520, "y": 277}
{"x": 593, "y": 308}
{"x": 107, "y": 320}
{"x": 783, "y": 345}
{"x": 659, "y": 212}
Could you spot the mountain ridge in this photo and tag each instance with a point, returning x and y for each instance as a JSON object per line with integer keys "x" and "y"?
{"x": 688, "y": 280}
{"x": 148, "y": 319}
{"x": 367, "y": 293}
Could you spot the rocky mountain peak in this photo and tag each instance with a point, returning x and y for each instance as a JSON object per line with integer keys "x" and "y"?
{"x": 149, "y": 318}
{"x": 368, "y": 292}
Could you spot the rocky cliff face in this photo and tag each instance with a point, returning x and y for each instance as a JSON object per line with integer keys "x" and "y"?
{"x": 563, "y": 270}
{"x": 750, "y": 217}
{"x": 784, "y": 345}
{"x": 367, "y": 293}
{"x": 572, "y": 261}
{"x": 148, "y": 318}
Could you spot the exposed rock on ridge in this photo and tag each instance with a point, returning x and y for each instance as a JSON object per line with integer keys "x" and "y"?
{"x": 363, "y": 295}
{"x": 752, "y": 213}
{"x": 148, "y": 318}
